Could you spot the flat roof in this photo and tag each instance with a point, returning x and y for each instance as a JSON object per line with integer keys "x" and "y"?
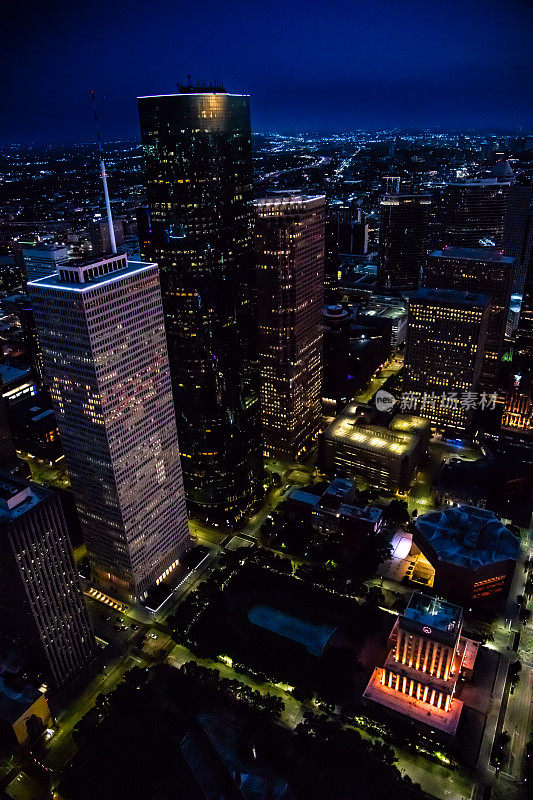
{"x": 31, "y": 495}
{"x": 15, "y": 698}
{"x": 468, "y": 536}
{"x": 54, "y": 281}
{"x": 400, "y": 438}
{"x": 289, "y": 201}
{"x": 473, "y": 254}
{"x": 449, "y": 297}
{"x": 189, "y": 94}
{"x": 432, "y": 617}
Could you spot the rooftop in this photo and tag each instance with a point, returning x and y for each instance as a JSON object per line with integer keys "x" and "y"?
{"x": 291, "y": 202}
{"x": 468, "y": 536}
{"x": 473, "y": 254}
{"x": 82, "y": 276}
{"x": 15, "y": 698}
{"x": 449, "y": 297}
{"x": 17, "y": 497}
{"x": 429, "y": 615}
{"x": 400, "y": 438}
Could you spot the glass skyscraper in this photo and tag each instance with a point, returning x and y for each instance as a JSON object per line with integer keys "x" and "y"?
{"x": 197, "y": 147}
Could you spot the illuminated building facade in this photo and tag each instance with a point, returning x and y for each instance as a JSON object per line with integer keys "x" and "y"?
{"x": 290, "y": 268}
{"x": 524, "y": 333}
{"x": 102, "y": 337}
{"x": 473, "y": 554}
{"x": 478, "y": 270}
{"x": 473, "y": 213}
{"x": 404, "y": 239}
{"x": 427, "y": 656}
{"x": 387, "y": 457}
{"x": 445, "y": 344}
{"x": 198, "y": 163}
{"x": 42, "y": 609}
{"x": 516, "y": 434}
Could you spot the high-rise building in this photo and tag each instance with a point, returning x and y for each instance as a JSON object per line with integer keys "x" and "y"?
{"x": 473, "y": 213}
{"x": 102, "y": 337}
{"x": 289, "y": 237}
{"x": 42, "y": 610}
{"x": 42, "y": 259}
{"x": 336, "y": 358}
{"x": 445, "y": 344}
{"x": 524, "y": 333}
{"x": 481, "y": 270}
{"x": 197, "y": 147}
{"x": 404, "y": 239}
{"x": 100, "y": 236}
{"x": 517, "y": 240}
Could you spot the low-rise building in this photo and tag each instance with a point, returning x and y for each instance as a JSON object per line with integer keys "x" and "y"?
{"x": 336, "y": 510}
{"x": 428, "y": 653}
{"x": 472, "y": 552}
{"x": 386, "y": 456}
{"x": 24, "y": 712}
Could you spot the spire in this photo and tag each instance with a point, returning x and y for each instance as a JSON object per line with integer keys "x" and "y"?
{"x": 103, "y": 175}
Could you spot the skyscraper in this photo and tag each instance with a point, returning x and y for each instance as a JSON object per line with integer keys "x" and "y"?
{"x": 444, "y": 351}
{"x": 517, "y": 240}
{"x": 289, "y": 238}
{"x": 42, "y": 259}
{"x": 404, "y": 239}
{"x": 42, "y": 610}
{"x": 473, "y": 213}
{"x": 479, "y": 270}
{"x": 102, "y": 337}
{"x": 524, "y": 333}
{"x": 197, "y": 147}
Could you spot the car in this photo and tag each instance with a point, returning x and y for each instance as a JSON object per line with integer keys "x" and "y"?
{"x": 152, "y": 635}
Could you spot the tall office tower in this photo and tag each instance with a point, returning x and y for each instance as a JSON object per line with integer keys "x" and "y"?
{"x": 198, "y": 162}
{"x": 473, "y": 213}
{"x": 480, "y": 270}
{"x": 347, "y": 223}
{"x": 42, "y": 259}
{"x": 289, "y": 237}
{"x": 332, "y": 263}
{"x": 42, "y": 610}
{"x": 100, "y": 236}
{"x": 446, "y": 336}
{"x": 517, "y": 239}
{"x": 336, "y": 358}
{"x": 8, "y": 454}
{"x": 102, "y": 337}
{"x": 404, "y": 239}
{"x": 524, "y": 335}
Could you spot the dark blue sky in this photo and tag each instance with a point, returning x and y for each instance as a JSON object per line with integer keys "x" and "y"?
{"x": 308, "y": 64}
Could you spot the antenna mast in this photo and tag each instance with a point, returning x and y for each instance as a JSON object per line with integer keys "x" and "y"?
{"x": 103, "y": 175}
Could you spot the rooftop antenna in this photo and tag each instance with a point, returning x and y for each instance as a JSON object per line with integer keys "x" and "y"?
{"x": 103, "y": 176}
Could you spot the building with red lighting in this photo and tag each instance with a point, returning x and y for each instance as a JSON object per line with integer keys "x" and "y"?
{"x": 428, "y": 653}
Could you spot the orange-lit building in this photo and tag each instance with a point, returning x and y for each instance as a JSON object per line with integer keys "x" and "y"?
{"x": 426, "y": 658}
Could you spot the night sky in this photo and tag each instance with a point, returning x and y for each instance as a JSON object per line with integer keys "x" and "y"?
{"x": 308, "y": 64}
